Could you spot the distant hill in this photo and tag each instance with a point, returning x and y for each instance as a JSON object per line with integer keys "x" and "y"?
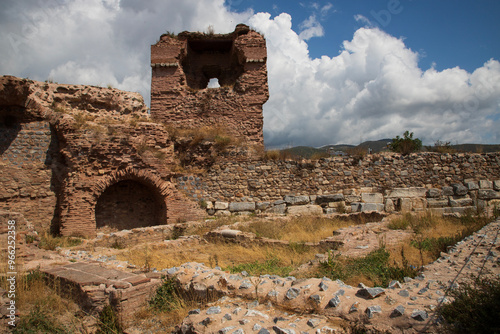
{"x": 476, "y": 148}
{"x": 377, "y": 146}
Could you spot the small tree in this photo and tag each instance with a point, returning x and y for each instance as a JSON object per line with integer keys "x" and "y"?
{"x": 405, "y": 145}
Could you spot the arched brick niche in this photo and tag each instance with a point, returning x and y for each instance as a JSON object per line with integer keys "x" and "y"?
{"x": 129, "y": 204}
{"x": 131, "y": 198}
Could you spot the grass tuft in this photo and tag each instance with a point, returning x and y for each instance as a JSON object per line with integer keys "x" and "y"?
{"x": 375, "y": 268}
{"x": 475, "y": 308}
{"x": 39, "y": 320}
{"x": 50, "y": 242}
{"x": 271, "y": 266}
{"x": 108, "y": 322}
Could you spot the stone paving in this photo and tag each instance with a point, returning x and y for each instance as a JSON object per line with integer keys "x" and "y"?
{"x": 273, "y": 304}
{"x": 283, "y": 302}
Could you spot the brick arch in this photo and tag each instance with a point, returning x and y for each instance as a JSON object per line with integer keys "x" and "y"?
{"x": 140, "y": 191}
{"x": 164, "y": 188}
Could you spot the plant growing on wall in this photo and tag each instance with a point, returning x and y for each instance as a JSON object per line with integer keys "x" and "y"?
{"x": 405, "y": 145}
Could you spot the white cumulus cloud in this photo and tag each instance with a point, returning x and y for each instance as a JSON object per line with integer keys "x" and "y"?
{"x": 373, "y": 89}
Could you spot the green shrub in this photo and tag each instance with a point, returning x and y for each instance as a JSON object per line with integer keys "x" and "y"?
{"x": 405, "y": 145}
{"x": 441, "y": 147}
{"x": 374, "y": 266}
{"x": 39, "y": 321}
{"x": 167, "y": 297}
{"x": 109, "y": 322}
{"x": 476, "y": 307}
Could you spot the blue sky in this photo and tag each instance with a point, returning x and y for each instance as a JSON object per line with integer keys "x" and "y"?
{"x": 339, "y": 71}
{"x": 446, "y": 33}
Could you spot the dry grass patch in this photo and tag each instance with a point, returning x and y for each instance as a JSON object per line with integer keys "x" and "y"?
{"x": 297, "y": 229}
{"x": 224, "y": 255}
{"x": 42, "y": 309}
{"x": 433, "y": 235}
{"x": 169, "y": 306}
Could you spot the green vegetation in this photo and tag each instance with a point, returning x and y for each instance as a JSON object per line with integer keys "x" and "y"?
{"x": 476, "y": 307}
{"x": 441, "y": 147}
{"x": 374, "y": 267}
{"x": 167, "y": 297}
{"x": 405, "y": 145}
{"x": 109, "y": 322}
{"x": 39, "y": 320}
{"x": 271, "y": 266}
{"x": 49, "y": 242}
{"x": 434, "y": 234}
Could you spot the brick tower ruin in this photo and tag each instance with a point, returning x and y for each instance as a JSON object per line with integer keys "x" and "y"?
{"x": 182, "y": 67}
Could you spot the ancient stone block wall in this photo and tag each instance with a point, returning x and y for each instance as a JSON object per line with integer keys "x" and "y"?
{"x": 258, "y": 181}
{"x": 442, "y": 183}
{"x": 182, "y": 66}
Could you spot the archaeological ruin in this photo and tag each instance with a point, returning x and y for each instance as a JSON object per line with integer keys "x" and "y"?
{"x": 75, "y": 158}
{"x": 96, "y": 163}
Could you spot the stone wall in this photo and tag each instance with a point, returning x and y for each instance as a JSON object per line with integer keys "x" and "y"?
{"x": 377, "y": 182}
{"x": 182, "y": 66}
{"x": 259, "y": 181}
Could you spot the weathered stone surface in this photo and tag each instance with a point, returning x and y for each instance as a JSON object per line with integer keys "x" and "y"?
{"x": 355, "y": 207}
{"x": 389, "y": 206}
{"x": 407, "y": 192}
{"x": 279, "y": 330}
{"x": 485, "y": 184}
{"x": 398, "y": 311}
{"x": 370, "y": 293}
{"x": 320, "y": 199}
{"x": 223, "y": 213}
{"x": 372, "y": 310}
{"x": 309, "y": 209}
{"x": 496, "y": 185}
{"x": 460, "y": 189}
{"x": 434, "y": 192}
{"x": 277, "y": 209}
{"x": 241, "y": 206}
{"x": 394, "y": 285}
{"x": 367, "y": 207}
{"x": 213, "y": 310}
{"x": 262, "y": 205}
{"x": 447, "y": 191}
{"x": 372, "y": 198}
{"x": 405, "y": 205}
{"x": 334, "y": 302}
{"x": 230, "y": 233}
{"x": 296, "y": 200}
{"x": 472, "y": 185}
{"x": 437, "y": 203}
{"x": 292, "y": 293}
{"x": 221, "y": 205}
{"x": 457, "y": 202}
{"x": 488, "y": 194}
{"x": 419, "y": 315}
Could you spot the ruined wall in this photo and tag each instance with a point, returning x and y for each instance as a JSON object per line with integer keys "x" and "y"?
{"x": 442, "y": 183}
{"x": 182, "y": 66}
{"x": 67, "y": 148}
{"x": 271, "y": 180}
{"x": 27, "y": 150}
